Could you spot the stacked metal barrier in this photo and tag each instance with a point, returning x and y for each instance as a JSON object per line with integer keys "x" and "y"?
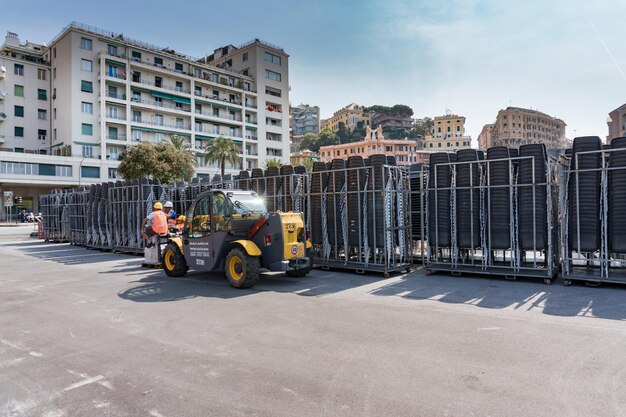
{"x": 594, "y": 232}
{"x": 53, "y": 208}
{"x": 492, "y": 216}
{"x": 360, "y": 217}
{"x": 417, "y": 175}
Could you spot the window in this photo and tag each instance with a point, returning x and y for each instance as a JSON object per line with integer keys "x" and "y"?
{"x": 220, "y": 211}
{"x": 54, "y": 72}
{"x": 158, "y": 101}
{"x": 199, "y": 126}
{"x": 136, "y": 116}
{"x": 41, "y": 74}
{"x": 198, "y": 108}
{"x": 197, "y": 72}
{"x": 86, "y": 107}
{"x": 54, "y": 94}
{"x": 272, "y": 75}
{"x": 112, "y": 112}
{"x": 19, "y": 111}
{"x": 179, "y": 106}
{"x": 136, "y": 77}
{"x": 89, "y": 172}
{"x": 18, "y": 69}
{"x": 178, "y": 67}
{"x": 112, "y": 71}
{"x": 85, "y": 44}
{"x": 87, "y": 151}
{"x": 18, "y": 132}
{"x": 42, "y": 94}
{"x": 18, "y": 150}
{"x": 272, "y": 58}
{"x": 179, "y": 86}
{"x": 55, "y": 113}
{"x": 179, "y": 123}
{"x": 42, "y": 114}
{"x": 245, "y": 56}
{"x": 200, "y": 216}
{"x": 86, "y": 65}
{"x": 86, "y": 86}
{"x": 198, "y": 90}
{"x": 112, "y": 50}
{"x": 18, "y": 90}
{"x": 158, "y": 62}
{"x": 54, "y": 52}
{"x": 158, "y": 119}
{"x": 136, "y": 56}
{"x": 87, "y": 129}
{"x": 112, "y": 133}
{"x": 136, "y": 135}
{"x": 113, "y": 173}
{"x": 158, "y": 82}
{"x": 216, "y": 112}
{"x": 42, "y": 134}
{"x": 112, "y": 91}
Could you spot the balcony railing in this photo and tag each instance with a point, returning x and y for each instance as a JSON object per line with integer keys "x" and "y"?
{"x": 119, "y": 136}
{"x": 117, "y": 75}
{"x": 154, "y": 122}
{"x": 164, "y": 86}
{"x": 228, "y": 117}
{"x": 159, "y": 104}
{"x": 116, "y": 116}
{"x": 117, "y": 54}
{"x": 252, "y": 137}
{"x": 113, "y": 94}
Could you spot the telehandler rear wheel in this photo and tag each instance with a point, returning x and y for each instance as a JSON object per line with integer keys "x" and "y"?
{"x": 242, "y": 270}
{"x": 174, "y": 263}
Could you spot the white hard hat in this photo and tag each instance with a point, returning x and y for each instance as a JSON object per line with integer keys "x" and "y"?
{"x": 168, "y": 204}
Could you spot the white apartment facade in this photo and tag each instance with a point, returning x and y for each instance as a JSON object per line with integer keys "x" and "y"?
{"x": 104, "y": 92}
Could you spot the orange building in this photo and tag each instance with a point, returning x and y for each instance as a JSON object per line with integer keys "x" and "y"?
{"x": 404, "y": 150}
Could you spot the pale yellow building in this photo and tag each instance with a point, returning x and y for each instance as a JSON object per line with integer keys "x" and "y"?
{"x": 448, "y": 134}
{"x": 350, "y": 116}
{"x": 516, "y": 126}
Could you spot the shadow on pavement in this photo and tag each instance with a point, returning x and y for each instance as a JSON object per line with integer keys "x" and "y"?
{"x": 607, "y": 302}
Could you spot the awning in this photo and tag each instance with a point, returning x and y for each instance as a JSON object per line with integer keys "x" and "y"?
{"x": 114, "y": 82}
{"x": 86, "y": 143}
{"x": 205, "y": 137}
{"x": 111, "y": 41}
{"x": 112, "y": 62}
{"x": 251, "y": 127}
{"x": 181, "y": 100}
{"x": 168, "y": 132}
{"x": 219, "y": 105}
{"x": 203, "y": 101}
{"x": 161, "y": 95}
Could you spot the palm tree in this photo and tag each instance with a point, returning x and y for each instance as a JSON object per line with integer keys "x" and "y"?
{"x": 181, "y": 143}
{"x": 273, "y": 163}
{"x": 308, "y": 164}
{"x": 221, "y": 150}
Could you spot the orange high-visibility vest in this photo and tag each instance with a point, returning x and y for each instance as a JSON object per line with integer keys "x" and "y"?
{"x": 159, "y": 223}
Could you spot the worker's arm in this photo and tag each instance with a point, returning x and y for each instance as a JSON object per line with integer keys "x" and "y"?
{"x": 143, "y": 225}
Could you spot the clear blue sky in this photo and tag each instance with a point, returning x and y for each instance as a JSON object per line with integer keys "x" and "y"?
{"x": 473, "y": 57}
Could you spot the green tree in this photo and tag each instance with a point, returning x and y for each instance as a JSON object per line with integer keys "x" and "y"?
{"x": 180, "y": 142}
{"x": 307, "y": 163}
{"x": 222, "y": 150}
{"x": 424, "y": 126}
{"x": 272, "y": 163}
{"x": 343, "y": 133}
{"x": 402, "y": 110}
{"x": 161, "y": 161}
{"x": 327, "y": 137}
{"x": 309, "y": 140}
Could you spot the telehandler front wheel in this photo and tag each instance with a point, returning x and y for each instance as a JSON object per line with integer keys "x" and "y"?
{"x": 174, "y": 263}
{"x": 242, "y": 270}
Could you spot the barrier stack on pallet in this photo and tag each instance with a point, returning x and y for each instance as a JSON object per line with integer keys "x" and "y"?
{"x": 360, "y": 216}
{"x": 493, "y": 215}
{"x": 594, "y": 237}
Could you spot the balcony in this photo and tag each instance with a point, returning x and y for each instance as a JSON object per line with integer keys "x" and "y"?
{"x": 118, "y": 96}
{"x": 116, "y": 54}
{"x": 155, "y": 122}
{"x": 115, "y": 116}
{"x": 227, "y": 117}
{"x": 251, "y": 137}
{"x": 119, "y": 136}
{"x": 114, "y": 74}
{"x": 159, "y": 104}
{"x": 163, "y": 86}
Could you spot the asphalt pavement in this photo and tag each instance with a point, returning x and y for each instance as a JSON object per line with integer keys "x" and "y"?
{"x": 89, "y": 333}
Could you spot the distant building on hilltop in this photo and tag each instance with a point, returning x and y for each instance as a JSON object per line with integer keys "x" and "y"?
{"x": 304, "y": 119}
{"x": 447, "y": 134}
{"x": 405, "y": 151}
{"x": 350, "y": 116}
{"x": 516, "y": 126}
{"x": 484, "y": 139}
{"x": 394, "y": 121}
{"x": 616, "y": 123}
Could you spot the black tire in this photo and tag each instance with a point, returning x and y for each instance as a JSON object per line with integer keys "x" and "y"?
{"x": 174, "y": 263}
{"x": 248, "y": 274}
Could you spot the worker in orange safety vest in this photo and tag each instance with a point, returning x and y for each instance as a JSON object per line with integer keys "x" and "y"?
{"x": 157, "y": 222}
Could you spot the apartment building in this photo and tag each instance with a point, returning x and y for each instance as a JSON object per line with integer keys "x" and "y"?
{"x": 516, "y": 126}
{"x": 484, "y": 139}
{"x": 448, "y": 134}
{"x": 350, "y": 116}
{"x": 392, "y": 121}
{"x": 68, "y": 109}
{"x": 268, "y": 67}
{"x": 405, "y": 151}
{"x": 303, "y": 119}
{"x": 616, "y": 123}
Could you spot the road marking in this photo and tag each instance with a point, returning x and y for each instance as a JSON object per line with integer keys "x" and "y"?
{"x": 13, "y": 345}
{"x": 84, "y": 382}
{"x": 155, "y": 413}
{"x": 10, "y": 362}
{"x": 489, "y": 328}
